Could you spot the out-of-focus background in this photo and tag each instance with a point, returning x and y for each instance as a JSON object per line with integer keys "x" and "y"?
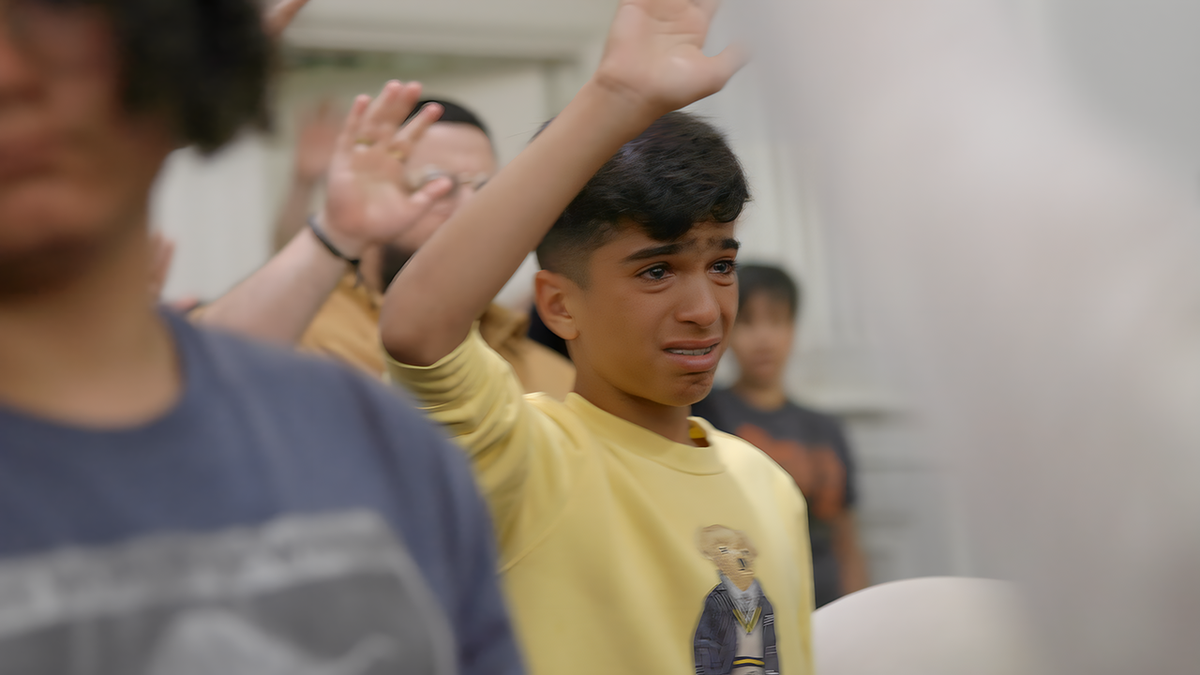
{"x": 517, "y": 62}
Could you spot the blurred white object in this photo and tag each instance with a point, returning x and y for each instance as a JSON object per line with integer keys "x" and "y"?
{"x": 517, "y": 294}
{"x": 930, "y": 626}
{"x": 1038, "y": 284}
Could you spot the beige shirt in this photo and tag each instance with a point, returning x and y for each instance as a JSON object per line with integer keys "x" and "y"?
{"x": 347, "y": 329}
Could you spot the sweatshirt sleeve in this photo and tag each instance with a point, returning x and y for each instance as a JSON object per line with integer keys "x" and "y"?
{"x": 520, "y": 456}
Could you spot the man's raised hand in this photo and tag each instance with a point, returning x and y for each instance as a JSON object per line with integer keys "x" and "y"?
{"x": 367, "y": 196}
{"x": 316, "y": 141}
{"x": 654, "y": 55}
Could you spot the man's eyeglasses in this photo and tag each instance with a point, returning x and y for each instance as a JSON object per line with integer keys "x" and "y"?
{"x": 419, "y": 179}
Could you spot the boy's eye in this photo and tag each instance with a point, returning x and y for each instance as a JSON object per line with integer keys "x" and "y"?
{"x": 656, "y": 273}
{"x": 725, "y": 267}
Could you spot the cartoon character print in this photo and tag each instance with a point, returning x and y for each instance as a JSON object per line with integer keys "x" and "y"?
{"x": 736, "y": 633}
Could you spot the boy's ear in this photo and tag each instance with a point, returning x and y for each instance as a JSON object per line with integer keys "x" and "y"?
{"x": 553, "y": 294}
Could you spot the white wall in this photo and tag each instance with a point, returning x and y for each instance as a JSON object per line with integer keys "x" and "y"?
{"x": 535, "y": 29}
{"x": 217, "y": 211}
{"x": 1139, "y": 64}
{"x": 221, "y": 210}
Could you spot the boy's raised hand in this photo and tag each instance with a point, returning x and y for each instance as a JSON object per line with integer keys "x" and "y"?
{"x": 652, "y": 64}
{"x": 368, "y": 200}
{"x": 654, "y": 55}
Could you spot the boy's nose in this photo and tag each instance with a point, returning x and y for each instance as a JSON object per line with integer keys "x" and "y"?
{"x": 699, "y": 304}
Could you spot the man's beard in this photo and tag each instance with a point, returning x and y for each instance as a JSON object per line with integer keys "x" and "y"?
{"x": 53, "y": 265}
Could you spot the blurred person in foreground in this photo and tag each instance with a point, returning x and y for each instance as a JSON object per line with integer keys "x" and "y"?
{"x": 326, "y": 299}
{"x": 173, "y": 500}
{"x": 810, "y": 445}
{"x": 634, "y": 538}
{"x": 1038, "y": 283}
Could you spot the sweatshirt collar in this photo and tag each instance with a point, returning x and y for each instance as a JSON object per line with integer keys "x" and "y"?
{"x": 645, "y": 443}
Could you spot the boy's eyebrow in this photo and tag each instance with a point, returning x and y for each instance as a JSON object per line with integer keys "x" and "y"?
{"x": 676, "y": 247}
{"x": 658, "y": 251}
{"x": 731, "y": 244}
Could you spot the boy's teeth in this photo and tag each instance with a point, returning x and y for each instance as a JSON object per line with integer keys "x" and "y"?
{"x": 691, "y": 352}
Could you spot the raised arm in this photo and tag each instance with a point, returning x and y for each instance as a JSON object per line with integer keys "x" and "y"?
{"x": 652, "y": 64}
{"x": 315, "y": 143}
{"x": 367, "y": 203}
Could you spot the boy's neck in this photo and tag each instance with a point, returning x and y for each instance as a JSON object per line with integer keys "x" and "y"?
{"x": 765, "y": 396}
{"x": 668, "y": 421}
{"x": 91, "y": 351}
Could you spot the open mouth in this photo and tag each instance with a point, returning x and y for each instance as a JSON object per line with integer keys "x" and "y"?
{"x": 692, "y": 352}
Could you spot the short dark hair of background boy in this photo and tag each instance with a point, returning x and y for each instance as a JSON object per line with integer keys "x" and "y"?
{"x": 678, "y": 173}
{"x": 770, "y": 282}
{"x": 810, "y": 445}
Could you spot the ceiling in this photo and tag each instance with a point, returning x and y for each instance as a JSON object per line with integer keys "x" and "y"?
{"x": 511, "y": 28}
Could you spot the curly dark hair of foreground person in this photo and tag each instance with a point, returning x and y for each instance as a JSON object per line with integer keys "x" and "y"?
{"x": 204, "y": 64}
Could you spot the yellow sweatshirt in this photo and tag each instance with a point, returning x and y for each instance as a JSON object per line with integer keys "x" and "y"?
{"x": 622, "y": 551}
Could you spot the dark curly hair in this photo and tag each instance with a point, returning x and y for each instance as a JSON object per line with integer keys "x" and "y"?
{"x": 205, "y": 64}
{"x": 679, "y": 172}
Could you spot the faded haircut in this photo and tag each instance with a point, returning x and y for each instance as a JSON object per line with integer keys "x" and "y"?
{"x": 770, "y": 281}
{"x": 678, "y": 173}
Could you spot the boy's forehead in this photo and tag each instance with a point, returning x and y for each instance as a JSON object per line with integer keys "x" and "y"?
{"x": 632, "y": 244}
